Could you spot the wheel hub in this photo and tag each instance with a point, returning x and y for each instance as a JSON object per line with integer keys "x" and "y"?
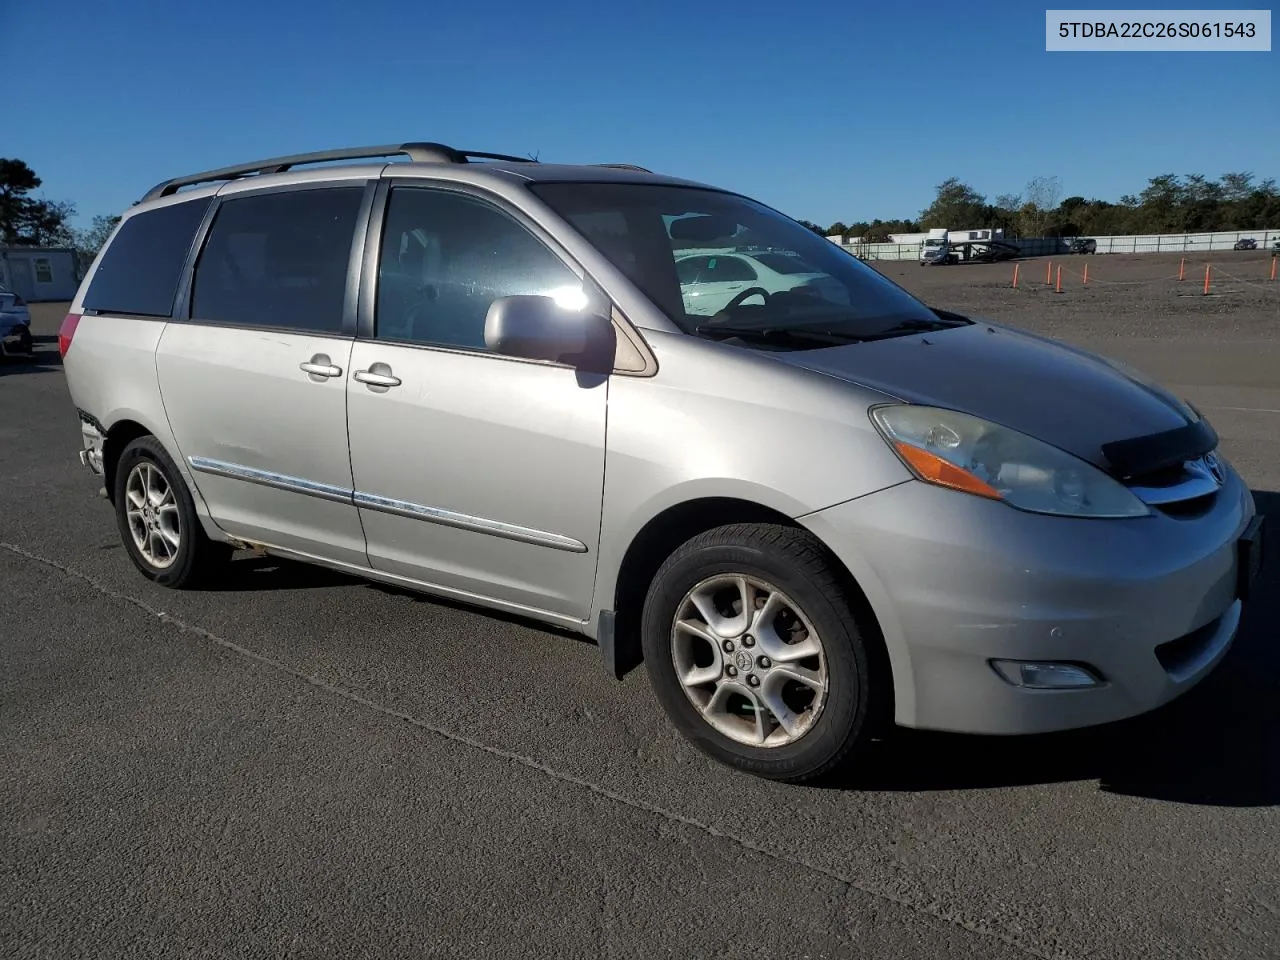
{"x": 749, "y": 660}
{"x": 152, "y": 514}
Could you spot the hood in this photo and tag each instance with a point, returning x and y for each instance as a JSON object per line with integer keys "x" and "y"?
{"x": 1072, "y": 399}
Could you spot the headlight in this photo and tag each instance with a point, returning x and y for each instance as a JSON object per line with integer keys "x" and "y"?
{"x": 961, "y": 452}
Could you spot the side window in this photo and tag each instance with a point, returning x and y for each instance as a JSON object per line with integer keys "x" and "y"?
{"x": 142, "y": 265}
{"x": 714, "y": 270}
{"x": 278, "y": 260}
{"x": 690, "y": 268}
{"x": 446, "y": 257}
{"x": 729, "y": 270}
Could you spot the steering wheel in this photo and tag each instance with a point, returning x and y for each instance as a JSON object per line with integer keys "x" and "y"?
{"x": 749, "y": 292}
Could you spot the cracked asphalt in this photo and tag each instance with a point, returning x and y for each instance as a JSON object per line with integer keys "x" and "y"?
{"x": 300, "y": 764}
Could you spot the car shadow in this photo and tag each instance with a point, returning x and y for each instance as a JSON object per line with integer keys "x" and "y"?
{"x": 1214, "y": 746}
{"x": 42, "y": 359}
{"x": 253, "y": 572}
{"x": 514, "y": 619}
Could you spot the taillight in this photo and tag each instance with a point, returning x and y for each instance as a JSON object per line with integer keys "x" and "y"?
{"x": 66, "y": 332}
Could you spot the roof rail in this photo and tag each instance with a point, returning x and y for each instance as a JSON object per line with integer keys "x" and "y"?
{"x": 416, "y": 152}
{"x": 623, "y": 166}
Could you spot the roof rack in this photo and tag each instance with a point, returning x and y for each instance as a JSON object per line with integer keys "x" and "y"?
{"x": 416, "y": 152}
{"x": 624, "y": 166}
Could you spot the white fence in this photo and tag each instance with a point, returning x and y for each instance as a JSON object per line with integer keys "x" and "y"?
{"x": 1044, "y": 246}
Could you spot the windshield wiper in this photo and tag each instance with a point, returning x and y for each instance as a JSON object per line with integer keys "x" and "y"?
{"x": 907, "y": 327}
{"x": 779, "y": 335}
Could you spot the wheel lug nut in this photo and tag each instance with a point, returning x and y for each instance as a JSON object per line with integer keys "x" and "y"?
{"x": 728, "y": 646}
{"x": 765, "y": 663}
{"x": 753, "y": 680}
{"x": 732, "y": 671}
{"x": 748, "y": 641}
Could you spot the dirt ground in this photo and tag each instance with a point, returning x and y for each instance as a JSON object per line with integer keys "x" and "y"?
{"x": 1127, "y": 295}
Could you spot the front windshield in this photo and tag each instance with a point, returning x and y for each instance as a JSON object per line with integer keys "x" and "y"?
{"x": 709, "y": 259}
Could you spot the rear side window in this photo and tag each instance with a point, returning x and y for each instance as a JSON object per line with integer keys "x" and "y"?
{"x": 140, "y": 270}
{"x": 278, "y": 260}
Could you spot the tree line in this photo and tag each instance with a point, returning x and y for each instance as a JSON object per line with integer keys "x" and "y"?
{"x": 1170, "y": 203}
{"x": 27, "y": 221}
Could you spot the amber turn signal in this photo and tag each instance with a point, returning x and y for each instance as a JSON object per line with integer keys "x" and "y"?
{"x": 944, "y": 473}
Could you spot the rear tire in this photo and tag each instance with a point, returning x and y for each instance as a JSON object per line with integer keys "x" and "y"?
{"x": 789, "y": 692}
{"x": 157, "y": 520}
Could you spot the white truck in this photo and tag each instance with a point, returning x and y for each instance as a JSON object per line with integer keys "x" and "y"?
{"x": 944, "y": 246}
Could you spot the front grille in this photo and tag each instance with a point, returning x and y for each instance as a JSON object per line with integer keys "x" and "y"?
{"x": 1191, "y": 509}
{"x": 1144, "y": 455}
{"x": 1184, "y": 490}
{"x": 1165, "y": 477}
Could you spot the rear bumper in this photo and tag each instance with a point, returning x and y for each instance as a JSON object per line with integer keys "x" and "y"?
{"x": 92, "y": 440}
{"x": 1149, "y": 605}
{"x": 16, "y": 342}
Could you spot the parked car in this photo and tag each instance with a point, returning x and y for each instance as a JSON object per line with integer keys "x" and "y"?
{"x": 809, "y": 517}
{"x": 710, "y": 281}
{"x": 15, "y": 324}
{"x": 1248, "y": 243}
{"x": 1084, "y": 245}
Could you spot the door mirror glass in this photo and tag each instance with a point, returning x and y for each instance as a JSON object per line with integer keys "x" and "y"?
{"x": 540, "y": 328}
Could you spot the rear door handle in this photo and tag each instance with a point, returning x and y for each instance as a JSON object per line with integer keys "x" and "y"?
{"x": 378, "y": 375}
{"x": 320, "y": 367}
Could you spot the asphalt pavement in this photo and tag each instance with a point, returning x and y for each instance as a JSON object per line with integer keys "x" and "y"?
{"x": 299, "y": 764}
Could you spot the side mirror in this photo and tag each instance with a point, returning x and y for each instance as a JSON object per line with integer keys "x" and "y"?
{"x": 538, "y": 328}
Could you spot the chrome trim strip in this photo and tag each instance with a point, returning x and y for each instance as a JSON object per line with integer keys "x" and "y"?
{"x": 266, "y": 478}
{"x": 399, "y": 508}
{"x": 1200, "y": 482}
{"x": 497, "y": 528}
{"x": 425, "y": 586}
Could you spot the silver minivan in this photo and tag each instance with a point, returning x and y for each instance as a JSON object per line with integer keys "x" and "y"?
{"x": 812, "y": 508}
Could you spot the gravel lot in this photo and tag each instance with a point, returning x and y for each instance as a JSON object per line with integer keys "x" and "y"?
{"x": 304, "y": 765}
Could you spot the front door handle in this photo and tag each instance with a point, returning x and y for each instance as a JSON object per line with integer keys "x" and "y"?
{"x": 378, "y": 377}
{"x": 320, "y": 368}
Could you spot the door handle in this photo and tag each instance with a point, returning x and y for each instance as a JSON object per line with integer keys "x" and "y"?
{"x": 378, "y": 375}
{"x": 320, "y": 367}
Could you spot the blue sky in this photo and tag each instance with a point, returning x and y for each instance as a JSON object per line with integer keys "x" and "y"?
{"x": 827, "y": 110}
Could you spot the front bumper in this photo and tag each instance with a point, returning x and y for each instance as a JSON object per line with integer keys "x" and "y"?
{"x": 1151, "y": 605}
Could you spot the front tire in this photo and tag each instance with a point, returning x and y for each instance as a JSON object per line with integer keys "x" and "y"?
{"x": 157, "y": 519}
{"x": 754, "y": 649}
